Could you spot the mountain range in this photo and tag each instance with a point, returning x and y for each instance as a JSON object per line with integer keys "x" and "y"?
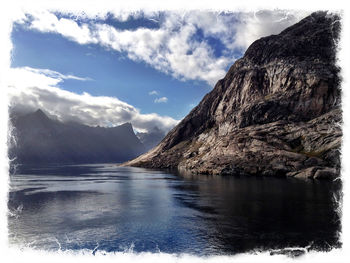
{"x": 40, "y": 139}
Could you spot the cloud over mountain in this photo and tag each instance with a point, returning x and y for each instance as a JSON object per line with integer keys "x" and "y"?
{"x": 31, "y": 89}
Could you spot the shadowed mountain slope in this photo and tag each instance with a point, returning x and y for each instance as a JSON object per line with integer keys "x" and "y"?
{"x": 43, "y": 140}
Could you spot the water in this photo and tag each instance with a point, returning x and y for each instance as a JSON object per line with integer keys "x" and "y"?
{"x": 110, "y": 208}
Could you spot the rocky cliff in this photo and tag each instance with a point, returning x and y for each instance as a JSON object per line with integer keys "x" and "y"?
{"x": 276, "y": 112}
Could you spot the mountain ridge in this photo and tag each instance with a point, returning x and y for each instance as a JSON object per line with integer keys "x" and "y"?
{"x": 285, "y": 80}
{"x": 40, "y": 139}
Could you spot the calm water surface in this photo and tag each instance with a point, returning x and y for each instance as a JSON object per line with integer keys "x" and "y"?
{"x": 110, "y": 208}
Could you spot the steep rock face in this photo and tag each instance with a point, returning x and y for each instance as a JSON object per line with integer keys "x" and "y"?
{"x": 276, "y": 112}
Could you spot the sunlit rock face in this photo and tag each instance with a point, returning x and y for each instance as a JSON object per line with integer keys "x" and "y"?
{"x": 276, "y": 112}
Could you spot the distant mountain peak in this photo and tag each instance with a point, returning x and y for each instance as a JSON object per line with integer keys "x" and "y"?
{"x": 151, "y": 138}
{"x": 39, "y": 112}
{"x": 39, "y": 115}
{"x": 41, "y": 139}
{"x": 126, "y": 124}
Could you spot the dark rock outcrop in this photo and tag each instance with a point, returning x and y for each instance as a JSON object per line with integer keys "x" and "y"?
{"x": 40, "y": 139}
{"x": 276, "y": 112}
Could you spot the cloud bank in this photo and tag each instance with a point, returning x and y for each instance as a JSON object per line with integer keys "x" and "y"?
{"x": 174, "y": 47}
{"x": 31, "y": 89}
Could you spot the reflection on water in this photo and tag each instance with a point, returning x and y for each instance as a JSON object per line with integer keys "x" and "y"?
{"x": 111, "y": 208}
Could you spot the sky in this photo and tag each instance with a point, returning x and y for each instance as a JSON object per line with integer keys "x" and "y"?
{"x": 146, "y": 68}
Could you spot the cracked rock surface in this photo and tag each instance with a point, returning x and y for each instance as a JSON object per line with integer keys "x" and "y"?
{"x": 277, "y": 112}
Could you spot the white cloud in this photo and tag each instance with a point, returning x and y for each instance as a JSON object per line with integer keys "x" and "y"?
{"x": 31, "y": 89}
{"x": 45, "y": 21}
{"x": 54, "y": 74}
{"x": 172, "y": 48}
{"x": 254, "y": 25}
{"x": 153, "y": 92}
{"x": 161, "y": 100}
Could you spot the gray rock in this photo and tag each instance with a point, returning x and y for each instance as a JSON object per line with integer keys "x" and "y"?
{"x": 276, "y": 112}
{"x": 326, "y": 173}
{"x": 307, "y": 173}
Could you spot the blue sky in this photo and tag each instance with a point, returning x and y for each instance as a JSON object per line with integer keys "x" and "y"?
{"x": 147, "y": 69}
{"x": 111, "y": 73}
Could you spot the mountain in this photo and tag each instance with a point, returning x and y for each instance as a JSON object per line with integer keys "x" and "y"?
{"x": 151, "y": 138}
{"x": 40, "y": 139}
{"x": 276, "y": 112}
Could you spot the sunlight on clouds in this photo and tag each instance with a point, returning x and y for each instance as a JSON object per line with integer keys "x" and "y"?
{"x": 172, "y": 48}
{"x": 45, "y": 21}
{"x": 254, "y": 25}
{"x": 31, "y": 89}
